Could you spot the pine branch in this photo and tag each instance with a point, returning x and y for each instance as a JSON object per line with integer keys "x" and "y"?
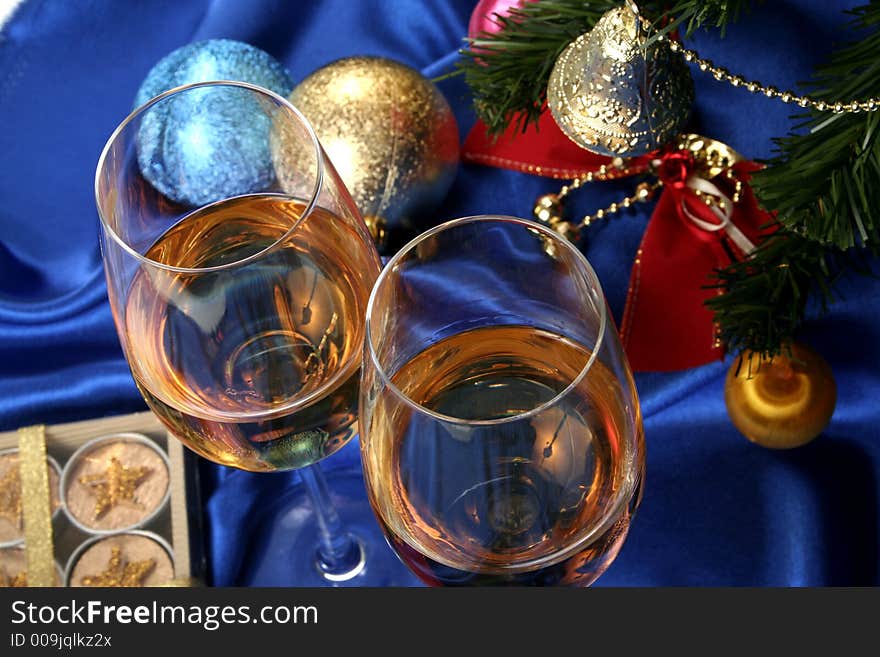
{"x": 766, "y": 295}
{"x": 694, "y": 14}
{"x": 824, "y": 185}
{"x": 508, "y": 71}
{"x": 823, "y": 181}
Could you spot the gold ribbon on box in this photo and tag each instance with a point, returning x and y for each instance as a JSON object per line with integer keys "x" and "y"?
{"x": 36, "y": 506}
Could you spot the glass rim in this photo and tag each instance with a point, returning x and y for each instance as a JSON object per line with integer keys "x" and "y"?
{"x": 527, "y": 224}
{"x": 142, "y": 109}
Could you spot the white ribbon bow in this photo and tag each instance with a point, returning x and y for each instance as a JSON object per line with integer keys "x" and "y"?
{"x": 723, "y": 210}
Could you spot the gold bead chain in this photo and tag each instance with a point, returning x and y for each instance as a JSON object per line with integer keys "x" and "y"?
{"x": 617, "y": 164}
{"x": 644, "y": 192}
{"x": 723, "y": 75}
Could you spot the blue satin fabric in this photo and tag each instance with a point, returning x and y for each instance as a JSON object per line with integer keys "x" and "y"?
{"x": 717, "y": 509}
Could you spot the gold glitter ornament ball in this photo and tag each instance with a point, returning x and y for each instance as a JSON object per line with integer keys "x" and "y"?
{"x": 389, "y": 132}
{"x": 613, "y": 96}
{"x": 786, "y": 402}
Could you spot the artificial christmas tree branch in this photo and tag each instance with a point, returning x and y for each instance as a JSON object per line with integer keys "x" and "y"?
{"x": 824, "y": 185}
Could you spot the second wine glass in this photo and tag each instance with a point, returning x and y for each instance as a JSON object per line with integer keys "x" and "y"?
{"x": 501, "y": 435}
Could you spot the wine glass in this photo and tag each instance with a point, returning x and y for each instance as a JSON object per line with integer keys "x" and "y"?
{"x": 501, "y": 436}
{"x": 238, "y": 271}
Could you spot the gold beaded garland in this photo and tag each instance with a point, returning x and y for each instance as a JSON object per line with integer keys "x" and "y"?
{"x": 753, "y": 86}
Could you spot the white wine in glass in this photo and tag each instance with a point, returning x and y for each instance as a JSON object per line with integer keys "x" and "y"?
{"x": 240, "y": 306}
{"x": 257, "y": 369}
{"x": 502, "y": 440}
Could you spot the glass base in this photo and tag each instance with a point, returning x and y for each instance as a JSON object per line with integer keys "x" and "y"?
{"x": 288, "y": 546}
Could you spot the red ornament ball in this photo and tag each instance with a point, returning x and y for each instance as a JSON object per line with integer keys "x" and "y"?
{"x": 484, "y": 17}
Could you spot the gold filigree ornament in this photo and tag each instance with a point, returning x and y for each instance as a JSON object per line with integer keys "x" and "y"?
{"x": 622, "y": 92}
{"x": 615, "y": 93}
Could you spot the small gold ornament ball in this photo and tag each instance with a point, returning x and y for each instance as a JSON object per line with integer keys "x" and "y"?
{"x": 388, "y": 131}
{"x": 786, "y": 402}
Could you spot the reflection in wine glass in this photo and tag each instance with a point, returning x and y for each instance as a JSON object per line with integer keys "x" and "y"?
{"x": 239, "y": 294}
{"x": 501, "y": 436}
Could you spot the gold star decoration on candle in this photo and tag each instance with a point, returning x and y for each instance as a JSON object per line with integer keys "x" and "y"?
{"x": 119, "y": 573}
{"x": 10, "y": 496}
{"x": 116, "y": 484}
{"x": 16, "y": 581}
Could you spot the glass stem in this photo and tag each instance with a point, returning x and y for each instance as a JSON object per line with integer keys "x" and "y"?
{"x": 339, "y": 555}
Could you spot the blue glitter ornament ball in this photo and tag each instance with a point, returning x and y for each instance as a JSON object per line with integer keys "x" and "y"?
{"x": 211, "y": 143}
